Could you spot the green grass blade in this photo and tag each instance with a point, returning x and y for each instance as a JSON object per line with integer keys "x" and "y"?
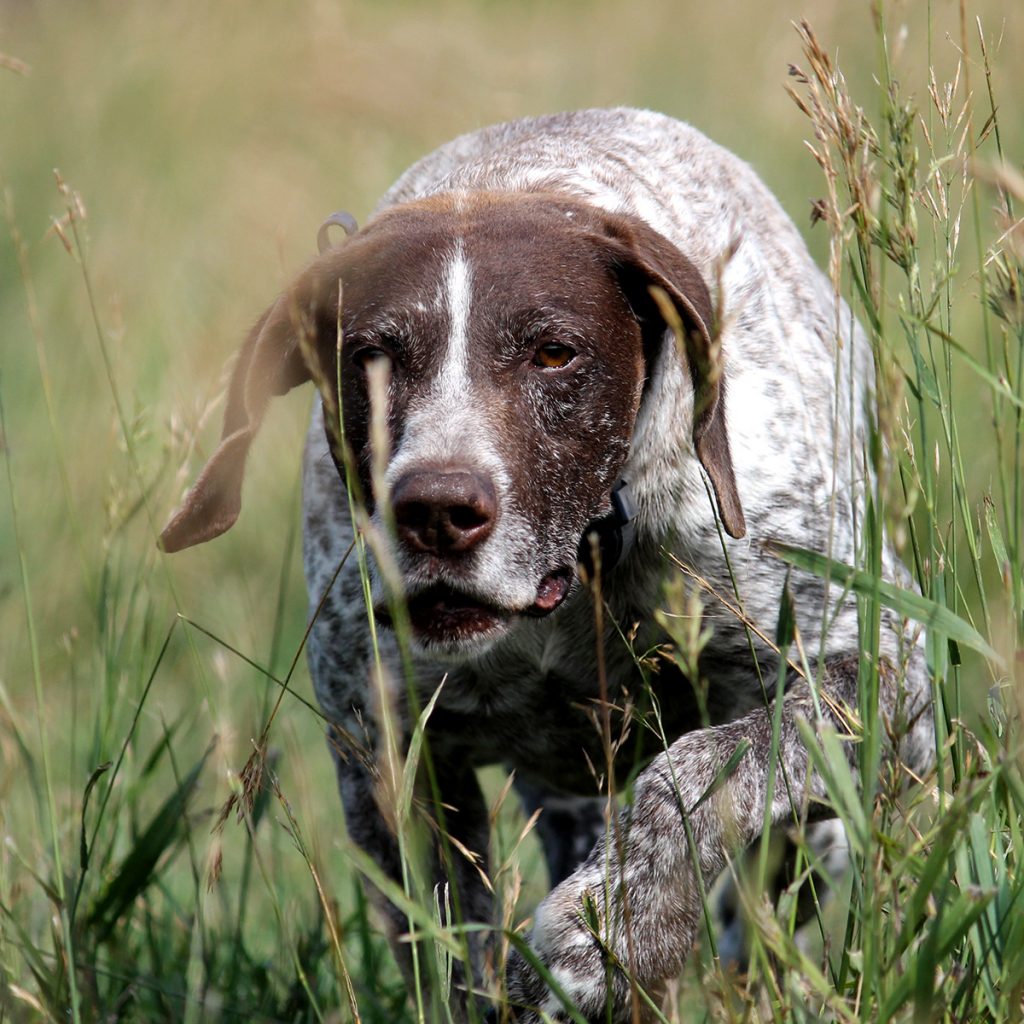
{"x": 83, "y": 847}
{"x": 136, "y": 870}
{"x": 904, "y": 602}
{"x": 723, "y": 774}
{"x": 412, "y": 757}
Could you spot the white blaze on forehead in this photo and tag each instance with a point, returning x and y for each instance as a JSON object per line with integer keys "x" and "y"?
{"x": 455, "y": 298}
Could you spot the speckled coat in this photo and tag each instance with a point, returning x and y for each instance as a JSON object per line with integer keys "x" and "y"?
{"x": 795, "y": 372}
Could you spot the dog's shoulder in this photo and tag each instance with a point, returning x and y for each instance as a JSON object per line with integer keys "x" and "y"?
{"x": 694, "y": 191}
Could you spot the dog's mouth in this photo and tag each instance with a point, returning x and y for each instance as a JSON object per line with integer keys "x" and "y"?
{"x": 443, "y": 614}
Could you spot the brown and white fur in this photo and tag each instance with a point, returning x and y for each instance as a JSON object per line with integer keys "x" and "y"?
{"x": 503, "y": 292}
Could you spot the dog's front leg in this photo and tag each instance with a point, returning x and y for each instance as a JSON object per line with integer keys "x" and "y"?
{"x": 456, "y": 827}
{"x": 633, "y": 908}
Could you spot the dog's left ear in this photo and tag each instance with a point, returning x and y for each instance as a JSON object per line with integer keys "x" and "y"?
{"x": 270, "y": 362}
{"x": 646, "y": 262}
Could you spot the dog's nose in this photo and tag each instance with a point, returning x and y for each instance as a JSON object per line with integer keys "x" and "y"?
{"x": 444, "y": 512}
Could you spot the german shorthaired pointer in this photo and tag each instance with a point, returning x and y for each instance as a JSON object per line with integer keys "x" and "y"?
{"x": 589, "y": 334}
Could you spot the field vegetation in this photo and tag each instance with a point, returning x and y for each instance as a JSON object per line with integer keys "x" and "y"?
{"x": 172, "y": 843}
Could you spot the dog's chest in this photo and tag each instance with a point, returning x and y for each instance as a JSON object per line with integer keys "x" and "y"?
{"x": 548, "y": 727}
{"x": 547, "y": 705}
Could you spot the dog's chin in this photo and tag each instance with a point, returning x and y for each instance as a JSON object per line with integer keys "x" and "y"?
{"x": 453, "y": 623}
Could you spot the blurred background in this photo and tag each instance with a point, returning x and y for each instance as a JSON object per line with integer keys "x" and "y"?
{"x": 200, "y": 146}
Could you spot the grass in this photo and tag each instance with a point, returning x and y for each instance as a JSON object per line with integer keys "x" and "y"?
{"x": 140, "y": 698}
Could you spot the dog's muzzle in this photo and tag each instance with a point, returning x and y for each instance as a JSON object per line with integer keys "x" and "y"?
{"x": 446, "y": 515}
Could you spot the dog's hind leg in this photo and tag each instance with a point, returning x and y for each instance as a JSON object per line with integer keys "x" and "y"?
{"x": 816, "y": 855}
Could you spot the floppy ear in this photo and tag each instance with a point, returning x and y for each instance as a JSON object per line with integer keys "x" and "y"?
{"x": 647, "y": 263}
{"x": 270, "y": 362}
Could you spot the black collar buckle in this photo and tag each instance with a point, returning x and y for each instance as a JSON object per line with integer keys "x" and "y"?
{"x": 615, "y": 532}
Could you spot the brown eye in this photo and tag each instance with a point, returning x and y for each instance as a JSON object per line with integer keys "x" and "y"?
{"x": 553, "y": 356}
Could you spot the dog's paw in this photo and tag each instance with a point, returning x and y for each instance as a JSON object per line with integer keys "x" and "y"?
{"x": 618, "y": 928}
{"x": 578, "y": 983}
{"x": 586, "y": 954}
{"x": 567, "y": 943}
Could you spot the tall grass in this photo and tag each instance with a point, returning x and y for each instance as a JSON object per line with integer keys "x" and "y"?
{"x": 173, "y": 847}
{"x": 931, "y": 925}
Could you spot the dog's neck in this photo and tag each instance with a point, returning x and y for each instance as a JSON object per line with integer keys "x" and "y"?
{"x": 612, "y": 535}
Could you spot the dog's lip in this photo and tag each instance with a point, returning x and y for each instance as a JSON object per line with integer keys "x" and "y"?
{"x": 446, "y": 599}
{"x": 445, "y": 612}
{"x": 553, "y": 590}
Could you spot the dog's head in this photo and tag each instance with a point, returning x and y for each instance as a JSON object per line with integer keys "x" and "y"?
{"x": 506, "y": 340}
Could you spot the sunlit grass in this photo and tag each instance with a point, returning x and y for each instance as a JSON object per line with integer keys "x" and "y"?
{"x": 201, "y": 147}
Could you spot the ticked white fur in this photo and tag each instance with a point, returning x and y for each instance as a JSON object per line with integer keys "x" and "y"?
{"x": 793, "y": 420}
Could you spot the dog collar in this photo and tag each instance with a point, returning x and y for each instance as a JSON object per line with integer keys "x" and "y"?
{"x": 615, "y": 532}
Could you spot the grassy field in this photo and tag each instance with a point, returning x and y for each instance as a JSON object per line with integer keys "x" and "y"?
{"x": 197, "y": 149}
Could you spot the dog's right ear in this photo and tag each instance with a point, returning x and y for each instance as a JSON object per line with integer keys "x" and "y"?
{"x": 644, "y": 259}
{"x": 271, "y": 362}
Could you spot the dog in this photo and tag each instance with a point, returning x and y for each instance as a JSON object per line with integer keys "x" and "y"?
{"x": 569, "y": 359}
